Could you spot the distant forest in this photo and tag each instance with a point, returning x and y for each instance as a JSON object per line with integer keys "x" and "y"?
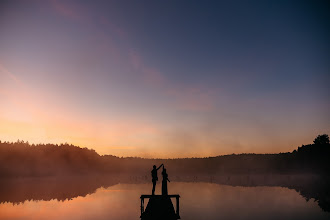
{"x": 21, "y": 159}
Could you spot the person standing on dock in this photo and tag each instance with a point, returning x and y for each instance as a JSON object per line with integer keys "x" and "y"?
{"x": 164, "y": 182}
{"x": 155, "y": 177}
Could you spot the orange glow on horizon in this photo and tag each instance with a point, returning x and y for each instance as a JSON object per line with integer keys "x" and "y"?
{"x": 43, "y": 117}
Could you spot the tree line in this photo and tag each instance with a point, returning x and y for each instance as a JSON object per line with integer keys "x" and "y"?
{"x": 21, "y": 159}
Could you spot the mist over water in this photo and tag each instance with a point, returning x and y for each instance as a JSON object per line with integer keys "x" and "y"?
{"x": 118, "y": 197}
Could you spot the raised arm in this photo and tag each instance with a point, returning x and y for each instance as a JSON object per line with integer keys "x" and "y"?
{"x": 160, "y": 166}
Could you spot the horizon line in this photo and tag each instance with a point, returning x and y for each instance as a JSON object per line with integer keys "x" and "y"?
{"x": 139, "y": 157}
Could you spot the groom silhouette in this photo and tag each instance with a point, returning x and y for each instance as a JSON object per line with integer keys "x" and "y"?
{"x": 154, "y": 177}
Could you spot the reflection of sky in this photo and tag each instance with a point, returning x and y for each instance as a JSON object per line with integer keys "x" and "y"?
{"x": 164, "y": 80}
{"x": 209, "y": 201}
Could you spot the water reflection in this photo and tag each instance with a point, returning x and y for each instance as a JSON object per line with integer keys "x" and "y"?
{"x": 116, "y": 202}
{"x": 117, "y": 197}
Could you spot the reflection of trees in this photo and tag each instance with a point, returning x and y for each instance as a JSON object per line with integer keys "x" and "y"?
{"x": 65, "y": 188}
{"x": 308, "y": 186}
{"x": 319, "y": 191}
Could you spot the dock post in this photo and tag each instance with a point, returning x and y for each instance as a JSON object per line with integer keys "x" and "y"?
{"x": 177, "y": 205}
{"x": 142, "y": 205}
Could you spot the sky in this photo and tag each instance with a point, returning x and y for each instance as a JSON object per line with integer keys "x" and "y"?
{"x": 165, "y": 79}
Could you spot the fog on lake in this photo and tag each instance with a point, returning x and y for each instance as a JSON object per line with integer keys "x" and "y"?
{"x": 93, "y": 198}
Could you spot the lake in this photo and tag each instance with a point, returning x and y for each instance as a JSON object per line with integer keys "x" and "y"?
{"x": 199, "y": 200}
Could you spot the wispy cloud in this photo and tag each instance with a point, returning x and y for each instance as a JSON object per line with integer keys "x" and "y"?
{"x": 18, "y": 93}
{"x": 119, "y": 31}
{"x": 149, "y": 75}
{"x": 6, "y": 72}
{"x": 67, "y": 10}
{"x": 191, "y": 97}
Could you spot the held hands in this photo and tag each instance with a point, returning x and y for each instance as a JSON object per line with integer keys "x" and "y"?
{"x": 160, "y": 166}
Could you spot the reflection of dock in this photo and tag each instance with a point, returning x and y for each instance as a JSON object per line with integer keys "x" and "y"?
{"x": 160, "y": 207}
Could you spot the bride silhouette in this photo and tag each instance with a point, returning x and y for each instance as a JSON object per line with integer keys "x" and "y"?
{"x": 164, "y": 182}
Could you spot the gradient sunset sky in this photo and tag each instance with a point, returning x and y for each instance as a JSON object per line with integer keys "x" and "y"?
{"x": 165, "y": 78}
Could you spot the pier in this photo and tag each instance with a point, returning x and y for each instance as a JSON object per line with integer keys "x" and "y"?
{"x": 160, "y": 207}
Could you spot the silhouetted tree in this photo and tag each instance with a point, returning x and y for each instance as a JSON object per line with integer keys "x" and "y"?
{"x": 321, "y": 139}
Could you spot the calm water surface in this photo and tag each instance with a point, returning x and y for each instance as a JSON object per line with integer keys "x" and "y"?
{"x": 198, "y": 201}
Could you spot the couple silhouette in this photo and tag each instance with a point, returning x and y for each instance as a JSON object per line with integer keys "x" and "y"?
{"x": 160, "y": 206}
{"x": 155, "y": 179}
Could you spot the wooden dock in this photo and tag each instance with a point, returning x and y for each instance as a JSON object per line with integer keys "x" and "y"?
{"x": 160, "y": 207}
